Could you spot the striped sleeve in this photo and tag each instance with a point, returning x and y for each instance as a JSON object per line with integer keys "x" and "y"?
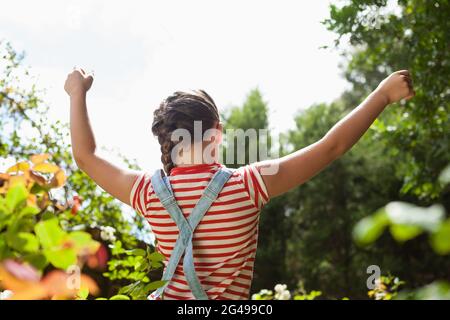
{"x": 139, "y": 193}
{"x": 254, "y": 185}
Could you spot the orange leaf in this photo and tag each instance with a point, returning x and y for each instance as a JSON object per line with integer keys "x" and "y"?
{"x": 13, "y": 180}
{"x": 31, "y": 200}
{"x": 22, "y": 280}
{"x": 39, "y": 158}
{"x": 4, "y": 176}
{"x": 43, "y": 202}
{"x": 45, "y": 167}
{"x": 59, "y": 284}
{"x": 37, "y": 178}
{"x": 19, "y": 166}
{"x": 58, "y": 179}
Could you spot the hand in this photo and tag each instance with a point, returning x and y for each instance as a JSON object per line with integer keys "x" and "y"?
{"x": 78, "y": 82}
{"x": 396, "y": 87}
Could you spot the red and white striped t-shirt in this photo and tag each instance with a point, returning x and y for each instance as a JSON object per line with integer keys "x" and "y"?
{"x": 226, "y": 238}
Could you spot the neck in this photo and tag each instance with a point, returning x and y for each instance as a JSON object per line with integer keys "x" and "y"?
{"x": 201, "y": 153}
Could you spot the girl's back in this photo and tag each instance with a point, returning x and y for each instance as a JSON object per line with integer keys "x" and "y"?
{"x": 226, "y": 238}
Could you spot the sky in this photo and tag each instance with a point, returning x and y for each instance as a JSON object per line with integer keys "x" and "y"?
{"x": 142, "y": 51}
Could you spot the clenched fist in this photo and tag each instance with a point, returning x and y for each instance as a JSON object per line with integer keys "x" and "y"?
{"x": 78, "y": 82}
{"x": 397, "y": 86}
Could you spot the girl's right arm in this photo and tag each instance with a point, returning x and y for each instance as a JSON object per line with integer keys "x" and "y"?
{"x": 292, "y": 170}
{"x": 114, "y": 180}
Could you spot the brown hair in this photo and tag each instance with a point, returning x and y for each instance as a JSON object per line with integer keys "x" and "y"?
{"x": 179, "y": 111}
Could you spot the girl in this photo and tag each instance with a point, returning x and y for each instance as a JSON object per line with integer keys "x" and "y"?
{"x": 205, "y": 216}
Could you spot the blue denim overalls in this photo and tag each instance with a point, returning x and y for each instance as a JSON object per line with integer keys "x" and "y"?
{"x": 163, "y": 191}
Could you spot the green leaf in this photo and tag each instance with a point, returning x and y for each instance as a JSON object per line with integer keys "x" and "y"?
{"x": 154, "y": 285}
{"x": 28, "y": 210}
{"x": 49, "y": 233}
{"x": 444, "y": 177}
{"x": 137, "y": 252}
{"x": 156, "y": 257}
{"x": 440, "y": 239}
{"x": 408, "y": 214}
{"x": 16, "y": 195}
{"x": 83, "y": 293}
{"x": 24, "y": 241}
{"x": 403, "y": 233}
{"x": 83, "y": 240}
{"x": 120, "y": 297}
{"x": 38, "y": 260}
{"x": 438, "y": 290}
{"x": 61, "y": 258}
{"x": 370, "y": 228}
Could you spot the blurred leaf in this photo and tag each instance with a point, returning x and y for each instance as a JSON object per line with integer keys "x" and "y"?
{"x": 58, "y": 179}
{"x": 444, "y": 177}
{"x": 38, "y": 158}
{"x": 119, "y": 297}
{"x": 83, "y": 242}
{"x": 40, "y": 180}
{"x": 440, "y": 239}
{"x": 49, "y": 233}
{"x": 61, "y": 258}
{"x": 20, "y": 166}
{"x": 408, "y": 214}
{"x": 29, "y": 210}
{"x": 402, "y": 232}
{"x": 154, "y": 285}
{"x": 37, "y": 260}
{"x": 370, "y": 228}
{"x": 137, "y": 252}
{"x": 46, "y": 168}
{"x": 438, "y": 290}
{"x": 16, "y": 195}
{"x": 24, "y": 241}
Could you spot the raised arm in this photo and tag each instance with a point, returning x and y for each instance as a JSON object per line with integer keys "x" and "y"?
{"x": 115, "y": 181}
{"x": 300, "y": 166}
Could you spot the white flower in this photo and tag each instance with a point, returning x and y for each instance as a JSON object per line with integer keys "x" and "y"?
{"x": 285, "y": 295}
{"x": 107, "y": 233}
{"x": 266, "y": 292}
{"x": 379, "y": 295}
{"x": 280, "y": 288}
{"x": 5, "y": 294}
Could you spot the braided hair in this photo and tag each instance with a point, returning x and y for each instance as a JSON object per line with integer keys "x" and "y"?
{"x": 179, "y": 111}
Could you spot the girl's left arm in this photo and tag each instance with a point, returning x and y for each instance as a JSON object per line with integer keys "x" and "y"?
{"x": 281, "y": 175}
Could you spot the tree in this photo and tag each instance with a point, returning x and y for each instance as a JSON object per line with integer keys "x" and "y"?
{"x": 270, "y": 258}
{"x": 26, "y": 131}
{"x": 415, "y": 37}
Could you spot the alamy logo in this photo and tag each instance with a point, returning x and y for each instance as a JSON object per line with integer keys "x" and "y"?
{"x": 373, "y": 279}
{"x": 241, "y": 145}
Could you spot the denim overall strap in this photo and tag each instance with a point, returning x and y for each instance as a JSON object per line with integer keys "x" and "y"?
{"x": 210, "y": 194}
{"x": 163, "y": 191}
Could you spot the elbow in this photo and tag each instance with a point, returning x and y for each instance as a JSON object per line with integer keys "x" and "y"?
{"x": 335, "y": 148}
{"x": 338, "y": 151}
{"x": 81, "y": 161}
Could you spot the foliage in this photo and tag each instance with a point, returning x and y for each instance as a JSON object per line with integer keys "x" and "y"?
{"x": 79, "y": 204}
{"x": 31, "y": 233}
{"x": 386, "y": 288}
{"x": 414, "y": 37}
{"x": 281, "y": 292}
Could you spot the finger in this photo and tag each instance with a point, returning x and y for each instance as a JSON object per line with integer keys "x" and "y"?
{"x": 404, "y": 72}
{"x": 411, "y": 94}
{"x": 81, "y": 71}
